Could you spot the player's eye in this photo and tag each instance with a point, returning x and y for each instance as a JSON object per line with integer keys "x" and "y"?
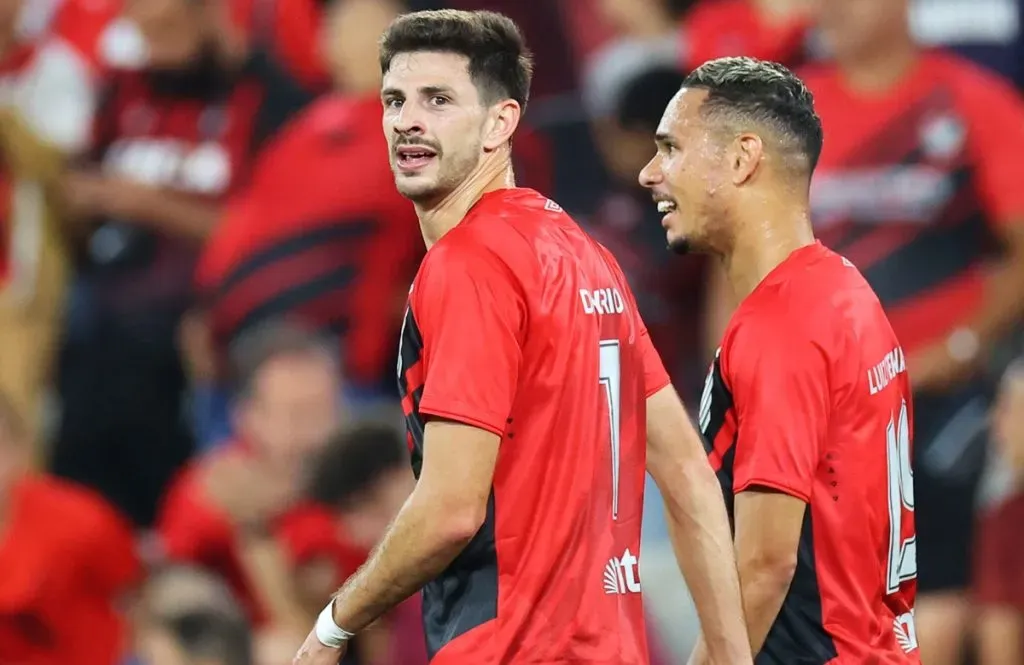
{"x": 438, "y": 100}
{"x": 393, "y": 103}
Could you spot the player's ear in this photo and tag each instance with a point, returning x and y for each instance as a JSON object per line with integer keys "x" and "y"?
{"x": 745, "y": 156}
{"x": 502, "y": 121}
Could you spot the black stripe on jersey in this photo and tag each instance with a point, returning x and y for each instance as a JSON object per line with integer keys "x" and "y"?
{"x": 329, "y": 231}
{"x": 465, "y": 594}
{"x": 798, "y": 635}
{"x": 715, "y": 403}
{"x": 410, "y": 353}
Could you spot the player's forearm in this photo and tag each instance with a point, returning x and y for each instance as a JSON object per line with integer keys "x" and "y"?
{"x": 700, "y": 534}
{"x": 764, "y": 590}
{"x": 420, "y": 544}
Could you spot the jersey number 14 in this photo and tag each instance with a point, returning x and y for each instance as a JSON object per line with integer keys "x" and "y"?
{"x": 902, "y": 563}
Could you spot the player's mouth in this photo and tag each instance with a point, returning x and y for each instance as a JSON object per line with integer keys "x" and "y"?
{"x": 666, "y": 207}
{"x": 413, "y": 157}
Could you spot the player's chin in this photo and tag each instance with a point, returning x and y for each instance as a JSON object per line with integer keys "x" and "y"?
{"x": 416, "y": 187}
{"x": 677, "y": 243}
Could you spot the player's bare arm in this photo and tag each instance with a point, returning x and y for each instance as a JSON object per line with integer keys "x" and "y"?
{"x": 439, "y": 519}
{"x": 768, "y": 526}
{"x": 698, "y": 525}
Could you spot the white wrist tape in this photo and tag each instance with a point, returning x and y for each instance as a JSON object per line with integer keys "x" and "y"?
{"x": 329, "y": 633}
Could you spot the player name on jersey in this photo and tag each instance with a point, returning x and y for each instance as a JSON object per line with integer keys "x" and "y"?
{"x": 602, "y": 301}
{"x": 882, "y": 374}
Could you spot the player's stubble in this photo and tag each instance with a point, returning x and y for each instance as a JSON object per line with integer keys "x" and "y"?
{"x": 453, "y": 168}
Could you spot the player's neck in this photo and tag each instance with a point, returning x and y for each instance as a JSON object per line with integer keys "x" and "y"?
{"x": 878, "y": 70}
{"x": 763, "y": 246}
{"x": 437, "y": 219}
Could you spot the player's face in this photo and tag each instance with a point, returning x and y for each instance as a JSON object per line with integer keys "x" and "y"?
{"x": 851, "y": 28}
{"x": 434, "y": 121}
{"x": 687, "y": 175}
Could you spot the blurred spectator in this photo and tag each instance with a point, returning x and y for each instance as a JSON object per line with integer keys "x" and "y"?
{"x": 999, "y": 560}
{"x": 171, "y": 141}
{"x": 67, "y": 561}
{"x": 240, "y": 511}
{"x": 321, "y": 234}
{"x": 187, "y": 617}
{"x": 365, "y": 477}
{"x": 646, "y": 36}
{"x": 48, "y": 75}
{"x": 226, "y": 500}
{"x": 918, "y": 182}
{"x": 766, "y": 29}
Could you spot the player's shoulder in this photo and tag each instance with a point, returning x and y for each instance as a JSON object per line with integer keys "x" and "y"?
{"x": 503, "y": 228}
{"x": 802, "y": 300}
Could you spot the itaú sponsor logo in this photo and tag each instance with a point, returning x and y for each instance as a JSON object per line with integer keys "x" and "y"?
{"x": 880, "y": 195}
{"x": 622, "y": 575}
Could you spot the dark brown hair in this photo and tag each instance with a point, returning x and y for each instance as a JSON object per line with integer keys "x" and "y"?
{"x": 499, "y": 63}
{"x": 762, "y": 92}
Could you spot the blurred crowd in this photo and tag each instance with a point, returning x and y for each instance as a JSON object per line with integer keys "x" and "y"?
{"x": 204, "y": 265}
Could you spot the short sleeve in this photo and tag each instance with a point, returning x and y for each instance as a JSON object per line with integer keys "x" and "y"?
{"x": 779, "y": 384}
{"x": 655, "y": 375}
{"x": 995, "y": 114}
{"x": 471, "y": 311}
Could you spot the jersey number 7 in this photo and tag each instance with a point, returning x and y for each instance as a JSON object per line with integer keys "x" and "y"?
{"x": 902, "y": 563}
{"x": 609, "y": 374}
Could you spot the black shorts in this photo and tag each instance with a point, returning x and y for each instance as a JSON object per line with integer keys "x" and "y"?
{"x": 950, "y": 442}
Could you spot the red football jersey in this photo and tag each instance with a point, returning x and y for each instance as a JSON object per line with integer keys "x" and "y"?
{"x": 67, "y": 560}
{"x": 809, "y": 396}
{"x": 522, "y": 325}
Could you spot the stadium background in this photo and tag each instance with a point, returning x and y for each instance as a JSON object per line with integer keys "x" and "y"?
{"x": 193, "y": 189}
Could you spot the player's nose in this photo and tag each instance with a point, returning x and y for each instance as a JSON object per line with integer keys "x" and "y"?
{"x": 650, "y": 174}
{"x": 409, "y": 121}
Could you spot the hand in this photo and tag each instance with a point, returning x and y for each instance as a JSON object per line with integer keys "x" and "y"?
{"x": 313, "y": 653}
{"x": 248, "y": 492}
{"x": 933, "y": 369}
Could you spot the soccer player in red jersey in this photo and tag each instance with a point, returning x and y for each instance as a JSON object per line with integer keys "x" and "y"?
{"x": 534, "y": 399}
{"x": 806, "y": 411}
